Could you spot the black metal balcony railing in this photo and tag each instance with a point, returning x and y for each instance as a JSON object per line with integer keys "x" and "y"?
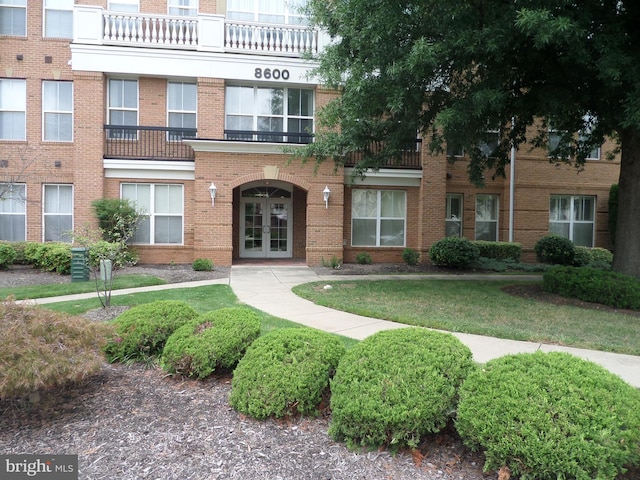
{"x": 147, "y": 143}
{"x": 409, "y": 158}
{"x": 273, "y": 137}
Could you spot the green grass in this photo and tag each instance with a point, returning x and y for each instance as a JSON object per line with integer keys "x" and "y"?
{"x": 479, "y": 307}
{"x": 202, "y": 299}
{"x": 70, "y": 288}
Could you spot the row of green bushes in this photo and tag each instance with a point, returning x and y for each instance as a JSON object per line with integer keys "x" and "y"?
{"x": 552, "y": 249}
{"x": 542, "y": 415}
{"x": 56, "y": 256}
{"x": 48, "y": 256}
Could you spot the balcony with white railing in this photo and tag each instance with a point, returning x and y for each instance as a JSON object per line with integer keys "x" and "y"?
{"x": 205, "y": 32}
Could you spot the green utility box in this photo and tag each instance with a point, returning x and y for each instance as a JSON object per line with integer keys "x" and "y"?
{"x": 79, "y": 265}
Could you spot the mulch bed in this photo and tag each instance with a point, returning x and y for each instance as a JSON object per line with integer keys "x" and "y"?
{"x": 132, "y": 422}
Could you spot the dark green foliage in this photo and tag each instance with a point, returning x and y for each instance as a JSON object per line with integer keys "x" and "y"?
{"x": 453, "y": 252}
{"x": 42, "y": 349}
{"x": 550, "y": 416}
{"x": 142, "y": 331}
{"x": 594, "y": 285}
{"x": 49, "y": 256}
{"x": 613, "y": 212}
{"x": 117, "y": 218}
{"x": 410, "y": 256}
{"x": 202, "y": 265}
{"x": 19, "y": 248}
{"x": 507, "y": 265}
{"x": 499, "y": 250}
{"x": 363, "y": 258}
{"x": 396, "y": 386}
{"x": 8, "y": 254}
{"x": 215, "y": 340}
{"x": 555, "y": 250}
{"x": 285, "y": 372}
{"x": 593, "y": 257}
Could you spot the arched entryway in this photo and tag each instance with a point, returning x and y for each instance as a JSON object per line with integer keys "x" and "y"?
{"x": 270, "y": 220}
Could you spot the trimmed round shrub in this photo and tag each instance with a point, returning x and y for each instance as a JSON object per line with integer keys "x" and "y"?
{"x": 142, "y": 331}
{"x": 42, "y": 349}
{"x": 285, "y": 372}
{"x": 410, "y": 256}
{"x": 550, "y": 416}
{"x": 202, "y": 265}
{"x": 215, "y": 340}
{"x": 396, "y": 386}
{"x": 453, "y": 252}
{"x": 555, "y": 249}
{"x": 363, "y": 258}
{"x": 7, "y": 255}
{"x": 601, "y": 257}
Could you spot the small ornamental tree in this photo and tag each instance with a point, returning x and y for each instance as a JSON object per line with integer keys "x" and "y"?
{"x": 108, "y": 248}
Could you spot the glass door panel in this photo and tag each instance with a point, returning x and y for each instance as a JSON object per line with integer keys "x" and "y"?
{"x": 265, "y": 228}
{"x": 253, "y": 227}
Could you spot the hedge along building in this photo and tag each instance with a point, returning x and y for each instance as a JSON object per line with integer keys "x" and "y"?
{"x": 185, "y": 106}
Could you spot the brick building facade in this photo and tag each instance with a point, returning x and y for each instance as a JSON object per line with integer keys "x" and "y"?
{"x": 160, "y": 101}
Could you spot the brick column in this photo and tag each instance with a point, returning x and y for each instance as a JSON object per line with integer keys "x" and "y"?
{"x": 89, "y": 118}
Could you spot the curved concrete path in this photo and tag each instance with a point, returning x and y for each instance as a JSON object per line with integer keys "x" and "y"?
{"x": 268, "y": 288}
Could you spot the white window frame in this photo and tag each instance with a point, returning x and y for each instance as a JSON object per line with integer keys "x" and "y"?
{"x": 289, "y": 14}
{"x": 379, "y": 219}
{"x": 453, "y": 220}
{"x": 62, "y": 7}
{"x": 14, "y": 103}
{"x": 182, "y": 8}
{"x": 57, "y": 210}
{"x": 181, "y": 111}
{"x": 58, "y": 111}
{"x": 132, "y": 6}
{"x": 153, "y": 217}
{"x": 565, "y": 225}
{"x": 8, "y": 7}
{"x": 491, "y": 220}
{"x": 13, "y": 204}
{"x": 122, "y": 108}
{"x": 255, "y": 114}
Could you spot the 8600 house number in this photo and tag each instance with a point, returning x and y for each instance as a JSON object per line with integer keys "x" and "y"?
{"x": 271, "y": 73}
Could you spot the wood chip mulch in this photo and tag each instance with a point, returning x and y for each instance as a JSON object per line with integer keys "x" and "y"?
{"x": 132, "y": 422}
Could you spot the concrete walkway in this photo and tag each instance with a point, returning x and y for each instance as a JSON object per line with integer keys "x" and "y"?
{"x": 268, "y": 288}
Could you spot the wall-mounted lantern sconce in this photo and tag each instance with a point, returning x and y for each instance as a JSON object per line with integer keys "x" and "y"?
{"x": 325, "y": 194}
{"x": 212, "y": 191}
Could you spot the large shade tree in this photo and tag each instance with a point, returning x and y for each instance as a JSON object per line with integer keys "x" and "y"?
{"x": 456, "y": 69}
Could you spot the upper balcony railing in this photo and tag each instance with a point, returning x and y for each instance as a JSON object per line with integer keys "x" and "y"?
{"x": 409, "y": 158}
{"x": 205, "y": 32}
{"x": 147, "y": 143}
{"x": 271, "y": 137}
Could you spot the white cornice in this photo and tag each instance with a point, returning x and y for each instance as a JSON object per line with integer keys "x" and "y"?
{"x": 389, "y": 177}
{"x": 223, "y": 146}
{"x": 149, "y": 169}
{"x": 185, "y": 63}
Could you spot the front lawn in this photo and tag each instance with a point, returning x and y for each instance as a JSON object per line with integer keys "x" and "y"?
{"x": 480, "y": 307}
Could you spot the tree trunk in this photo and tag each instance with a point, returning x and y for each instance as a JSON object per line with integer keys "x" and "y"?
{"x": 626, "y": 259}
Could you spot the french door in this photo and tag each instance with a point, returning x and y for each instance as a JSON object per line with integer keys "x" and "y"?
{"x": 265, "y": 228}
